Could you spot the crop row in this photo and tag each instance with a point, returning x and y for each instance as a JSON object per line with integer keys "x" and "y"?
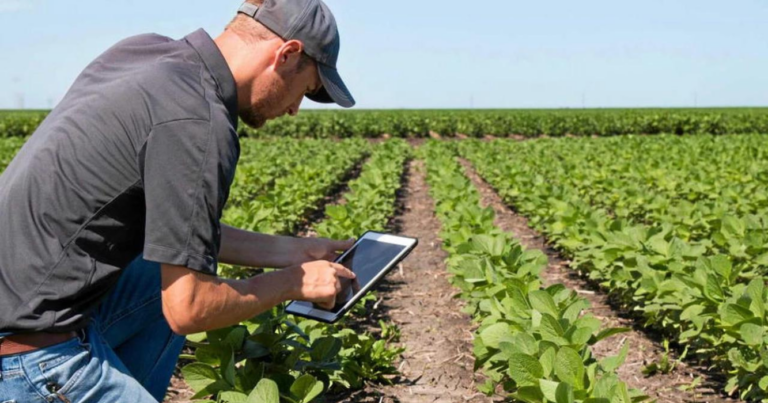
{"x": 635, "y": 177}
{"x": 668, "y": 244}
{"x": 370, "y": 201}
{"x": 20, "y": 124}
{"x": 293, "y": 195}
{"x": 8, "y": 149}
{"x": 278, "y": 357}
{"x": 263, "y": 162}
{"x": 532, "y": 341}
{"x": 477, "y": 123}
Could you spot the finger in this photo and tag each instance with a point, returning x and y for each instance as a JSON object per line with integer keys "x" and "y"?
{"x": 343, "y": 245}
{"x": 338, "y": 286}
{"x": 342, "y": 271}
{"x": 327, "y": 304}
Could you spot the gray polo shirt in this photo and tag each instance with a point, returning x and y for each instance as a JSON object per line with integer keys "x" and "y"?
{"x": 138, "y": 157}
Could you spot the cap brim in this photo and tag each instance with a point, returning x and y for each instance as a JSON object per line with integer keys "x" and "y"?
{"x": 333, "y": 90}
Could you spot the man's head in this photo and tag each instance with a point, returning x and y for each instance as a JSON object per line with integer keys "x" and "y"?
{"x": 280, "y": 51}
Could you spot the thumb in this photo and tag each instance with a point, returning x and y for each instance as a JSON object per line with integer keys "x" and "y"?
{"x": 344, "y": 245}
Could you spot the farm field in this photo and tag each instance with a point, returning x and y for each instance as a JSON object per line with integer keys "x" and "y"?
{"x": 479, "y": 123}
{"x": 594, "y": 269}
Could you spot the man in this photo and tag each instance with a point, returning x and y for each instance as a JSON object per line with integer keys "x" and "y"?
{"x": 109, "y": 215}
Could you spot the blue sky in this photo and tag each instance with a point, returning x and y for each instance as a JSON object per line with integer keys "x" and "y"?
{"x": 443, "y": 54}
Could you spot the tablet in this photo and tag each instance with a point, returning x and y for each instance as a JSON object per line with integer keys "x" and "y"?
{"x": 370, "y": 258}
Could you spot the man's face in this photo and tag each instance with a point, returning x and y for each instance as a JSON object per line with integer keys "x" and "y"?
{"x": 281, "y": 91}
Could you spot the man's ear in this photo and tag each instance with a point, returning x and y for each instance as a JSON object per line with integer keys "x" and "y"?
{"x": 288, "y": 54}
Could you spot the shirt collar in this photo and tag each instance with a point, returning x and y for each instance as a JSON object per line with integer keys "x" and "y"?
{"x": 216, "y": 64}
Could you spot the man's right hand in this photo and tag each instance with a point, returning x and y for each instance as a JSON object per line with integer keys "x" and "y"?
{"x": 318, "y": 282}
{"x": 195, "y": 302}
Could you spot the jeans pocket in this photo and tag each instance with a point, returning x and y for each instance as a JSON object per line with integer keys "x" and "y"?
{"x": 63, "y": 372}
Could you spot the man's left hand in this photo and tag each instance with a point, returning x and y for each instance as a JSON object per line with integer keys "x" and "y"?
{"x": 312, "y": 249}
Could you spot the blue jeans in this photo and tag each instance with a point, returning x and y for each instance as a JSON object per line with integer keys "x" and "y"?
{"x": 126, "y": 354}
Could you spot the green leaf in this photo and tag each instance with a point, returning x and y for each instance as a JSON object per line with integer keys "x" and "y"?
{"x": 569, "y": 367}
{"x": 762, "y": 260}
{"x": 306, "y": 388}
{"x": 252, "y": 349}
{"x": 733, "y": 226}
{"x": 198, "y": 375}
{"x": 235, "y": 338}
{"x": 266, "y": 391}
{"x": 623, "y": 393}
{"x": 659, "y": 245}
{"x": 525, "y": 343}
{"x": 336, "y": 212}
{"x": 763, "y": 384}
{"x": 732, "y": 314}
{"x": 722, "y": 266}
{"x": 325, "y": 349}
{"x": 492, "y": 245}
{"x": 525, "y": 370}
{"x": 756, "y": 290}
{"x": 494, "y": 334}
{"x": 581, "y": 336}
{"x": 212, "y": 389}
{"x": 529, "y": 394}
{"x": 211, "y": 354}
{"x": 231, "y": 396}
{"x": 549, "y": 389}
{"x": 228, "y": 369}
{"x": 197, "y": 337}
{"x": 712, "y": 288}
{"x": 605, "y": 386}
{"x": 547, "y": 360}
{"x": 611, "y": 331}
{"x": 564, "y": 393}
{"x": 574, "y": 310}
{"x": 543, "y": 302}
{"x": 551, "y": 330}
{"x": 611, "y": 364}
{"x": 752, "y": 334}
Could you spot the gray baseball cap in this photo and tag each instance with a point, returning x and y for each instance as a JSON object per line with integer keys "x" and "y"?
{"x": 312, "y": 23}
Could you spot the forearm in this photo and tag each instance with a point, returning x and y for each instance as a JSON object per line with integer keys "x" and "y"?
{"x": 251, "y": 249}
{"x": 194, "y": 302}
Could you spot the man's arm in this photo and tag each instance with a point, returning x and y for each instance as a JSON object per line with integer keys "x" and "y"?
{"x": 195, "y": 302}
{"x": 252, "y": 249}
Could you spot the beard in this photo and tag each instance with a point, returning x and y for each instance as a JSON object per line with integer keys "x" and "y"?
{"x": 253, "y": 118}
{"x": 257, "y": 114}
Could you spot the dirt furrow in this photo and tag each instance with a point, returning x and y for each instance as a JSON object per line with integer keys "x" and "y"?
{"x": 642, "y": 351}
{"x": 437, "y": 366}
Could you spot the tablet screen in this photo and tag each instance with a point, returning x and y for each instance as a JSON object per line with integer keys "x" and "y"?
{"x": 366, "y": 260}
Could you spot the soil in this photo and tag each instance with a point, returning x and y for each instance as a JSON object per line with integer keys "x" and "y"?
{"x": 644, "y": 349}
{"x": 178, "y": 391}
{"x": 438, "y": 363}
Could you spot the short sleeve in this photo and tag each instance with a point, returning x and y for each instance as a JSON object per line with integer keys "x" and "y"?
{"x": 187, "y": 171}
